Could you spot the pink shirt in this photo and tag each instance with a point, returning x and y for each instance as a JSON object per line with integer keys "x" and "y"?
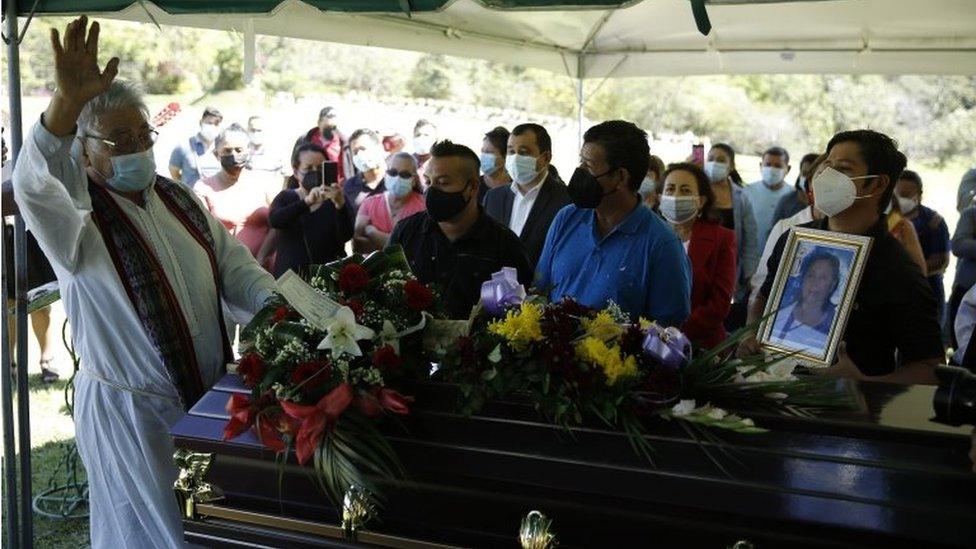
{"x": 376, "y": 209}
{"x": 242, "y": 208}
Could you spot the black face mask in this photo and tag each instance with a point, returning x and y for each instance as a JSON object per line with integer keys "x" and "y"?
{"x": 231, "y": 161}
{"x": 311, "y": 179}
{"x": 445, "y": 206}
{"x": 328, "y": 133}
{"x": 584, "y": 189}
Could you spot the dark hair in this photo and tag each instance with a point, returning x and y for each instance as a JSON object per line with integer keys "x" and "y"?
{"x": 625, "y": 146}
{"x": 880, "y": 153}
{"x": 778, "y": 151}
{"x": 211, "y": 111}
{"x": 421, "y": 123}
{"x": 326, "y": 112}
{"x": 498, "y": 137}
{"x": 540, "y": 133}
{"x": 656, "y": 165}
{"x": 814, "y": 257}
{"x": 447, "y": 148}
{"x": 222, "y": 136}
{"x": 364, "y": 132}
{"x": 733, "y": 174}
{"x": 911, "y": 175}
{"x": 306, "y": 147}
{"x": 707, "y": 212}
{"x": 809, "y": 158}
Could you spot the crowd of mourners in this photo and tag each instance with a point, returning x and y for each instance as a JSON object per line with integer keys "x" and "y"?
{"x": 688, "y": 244}
{"x": 152, "y": 284}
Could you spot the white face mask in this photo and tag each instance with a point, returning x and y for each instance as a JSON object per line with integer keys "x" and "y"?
{"x": 907, "y": 205}
{"x": 716, "y": 171}
{"x": 834, "y": 191}
{"x": 772, "y": 176}
{"x": 367, "y": 159}
{"x": 423, "y": 143}
{"x": 209, "y": 132}
{"x": 521, "y": 168}
{"x": 678, "y": 209}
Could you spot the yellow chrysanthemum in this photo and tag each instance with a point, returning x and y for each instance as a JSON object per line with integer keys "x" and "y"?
{"x": 602, "y": 327}
{"x": 609, "y": 359}
{"x": 644, "y": 323}
{"x": 520, "y": 327}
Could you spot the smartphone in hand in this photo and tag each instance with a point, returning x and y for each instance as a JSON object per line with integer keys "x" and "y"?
{"x": 698, "y": 154}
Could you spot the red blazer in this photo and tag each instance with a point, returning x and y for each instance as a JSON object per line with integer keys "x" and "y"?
{"x": 712, "y": 253}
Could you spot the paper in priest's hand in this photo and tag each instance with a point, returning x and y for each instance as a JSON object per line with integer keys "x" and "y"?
{"x": 313, "y": 305}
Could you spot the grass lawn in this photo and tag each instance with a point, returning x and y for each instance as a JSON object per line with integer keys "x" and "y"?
{"x": 52, "y": 431}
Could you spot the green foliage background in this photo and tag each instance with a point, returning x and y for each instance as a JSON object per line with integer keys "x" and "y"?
{"x": 933, "y": 117}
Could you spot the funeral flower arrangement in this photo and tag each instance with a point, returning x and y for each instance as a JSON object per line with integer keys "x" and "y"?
{"x": 577, "y": 364}
{"x": 319, "y": 379}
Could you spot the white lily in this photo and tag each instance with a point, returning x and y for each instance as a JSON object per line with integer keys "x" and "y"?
{"x": 683, "y": 408}
{"x": 389, "y": 336}
{"x": 344, "y": 333}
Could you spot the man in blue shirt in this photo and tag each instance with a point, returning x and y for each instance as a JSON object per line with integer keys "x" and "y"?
{"x": 765, "y": 195}
{"x": 193, "y": 159}
{"x": 606, "y": 247}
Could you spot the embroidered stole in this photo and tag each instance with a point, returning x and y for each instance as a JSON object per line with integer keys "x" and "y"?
{"x": 147, "y": 286}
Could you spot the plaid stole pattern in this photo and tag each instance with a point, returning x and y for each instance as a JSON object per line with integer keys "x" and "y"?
{"x": 146, "y": 284}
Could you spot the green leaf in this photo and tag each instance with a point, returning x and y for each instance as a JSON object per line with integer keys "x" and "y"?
{"x": 489, "y": 375}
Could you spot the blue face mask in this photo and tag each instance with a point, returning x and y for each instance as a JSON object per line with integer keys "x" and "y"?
{"x": 489, "y": 164}
{"x": 133, "y": 172}
{"x": 399, "y": 186}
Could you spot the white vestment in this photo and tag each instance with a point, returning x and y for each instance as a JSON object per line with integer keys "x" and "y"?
{"x": 125, "y": 402}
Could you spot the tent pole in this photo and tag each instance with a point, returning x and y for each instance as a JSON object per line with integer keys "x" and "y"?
{"x": 20, "y": 262}
{"x": 249, "y": 52}
{"x": 580, "y": 99}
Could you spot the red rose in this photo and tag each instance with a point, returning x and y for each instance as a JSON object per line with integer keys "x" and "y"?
{"x": 251, "y": 368}
{"x": 281, "y": 313}
{"x": 419, "y": 297}
{"x": 386, "y": 359}
{"x": 353, "y": 278}
{"x": 313, "y": 373}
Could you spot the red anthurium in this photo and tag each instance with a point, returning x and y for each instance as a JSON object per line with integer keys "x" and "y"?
{"x": 268, "y": 433}
{"x": 242, "y": 416}
{"x": 368, "y": 404}
{"x": 393, "y": 401}
{"x": 317, "y": 418}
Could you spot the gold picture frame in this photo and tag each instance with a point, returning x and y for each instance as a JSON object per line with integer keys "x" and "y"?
{"x": 812, "y": 295}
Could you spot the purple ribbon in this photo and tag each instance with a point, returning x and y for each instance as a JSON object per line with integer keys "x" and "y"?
{"x": 668, "y": 346}
{"x": 502, "y": 292}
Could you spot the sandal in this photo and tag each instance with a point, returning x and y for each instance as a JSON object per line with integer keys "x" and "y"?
{"x": 48, "y": 375}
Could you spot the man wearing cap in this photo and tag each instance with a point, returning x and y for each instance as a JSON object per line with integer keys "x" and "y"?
{"x": 327, "y": 135}
{"x": 193, "y": 159}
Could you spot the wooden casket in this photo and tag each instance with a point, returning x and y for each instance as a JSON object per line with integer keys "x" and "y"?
{"x": 882, "y": 476}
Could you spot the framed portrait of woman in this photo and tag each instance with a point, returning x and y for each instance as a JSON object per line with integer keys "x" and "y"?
{"x": 812, "y": 294}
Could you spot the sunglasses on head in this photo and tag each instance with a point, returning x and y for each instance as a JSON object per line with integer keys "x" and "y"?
{"x": 404, "y": 174}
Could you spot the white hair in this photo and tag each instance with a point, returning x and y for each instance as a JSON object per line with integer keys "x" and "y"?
{"x": 120, "y": 94}
{"x": 233, "y": 129}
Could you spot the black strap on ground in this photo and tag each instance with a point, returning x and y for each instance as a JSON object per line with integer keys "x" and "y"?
{"x": 701, "y": 17}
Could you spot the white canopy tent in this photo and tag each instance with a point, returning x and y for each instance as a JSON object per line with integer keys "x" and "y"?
{"x": 642, "y": 38}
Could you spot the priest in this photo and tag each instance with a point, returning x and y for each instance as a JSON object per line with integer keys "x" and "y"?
{"x": 142, "y": 268}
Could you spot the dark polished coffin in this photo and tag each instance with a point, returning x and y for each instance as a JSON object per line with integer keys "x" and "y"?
{"x": 880, "y": 476}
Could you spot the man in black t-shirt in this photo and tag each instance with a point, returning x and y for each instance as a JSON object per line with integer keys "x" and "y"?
{"x": 453, "y": 244}
{"x": 892, "y": 332}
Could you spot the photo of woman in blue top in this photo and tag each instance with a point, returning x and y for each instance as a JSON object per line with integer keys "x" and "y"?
{"x": 805, "y": 322}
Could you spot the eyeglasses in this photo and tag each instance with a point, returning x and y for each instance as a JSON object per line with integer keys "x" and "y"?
{"x": 404, "y": 174}
{"x": 126, "y": 144}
